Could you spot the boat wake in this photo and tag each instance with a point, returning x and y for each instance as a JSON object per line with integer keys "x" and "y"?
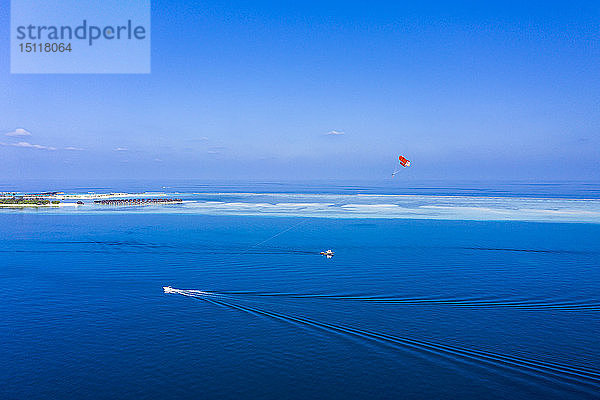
{"x": 467, "y": 302}
{"x": 575, "y": 377}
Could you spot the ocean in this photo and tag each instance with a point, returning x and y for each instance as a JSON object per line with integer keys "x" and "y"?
{"x": 431, "y": 294}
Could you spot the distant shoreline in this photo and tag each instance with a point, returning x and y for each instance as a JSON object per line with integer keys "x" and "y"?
{"x": 17, "y": 205}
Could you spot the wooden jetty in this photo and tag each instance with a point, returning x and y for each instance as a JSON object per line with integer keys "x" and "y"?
{"x": 136, "y": 202}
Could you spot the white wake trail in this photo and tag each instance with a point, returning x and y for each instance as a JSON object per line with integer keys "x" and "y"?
{"x": 186, "y": 292}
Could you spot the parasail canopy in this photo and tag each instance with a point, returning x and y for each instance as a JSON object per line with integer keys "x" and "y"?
{"x": 403, "y": 161}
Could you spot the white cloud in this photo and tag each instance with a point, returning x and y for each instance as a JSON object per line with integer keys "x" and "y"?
{"x": 121, "y": 149}
{"x": 199, "y": 139}
{"x": 28, "y": 145}
{"x": 18, "y": 132}
{"x": 335, "y": 133}
{"x": 73, "y": 148}
{"x": 216, "y": 149}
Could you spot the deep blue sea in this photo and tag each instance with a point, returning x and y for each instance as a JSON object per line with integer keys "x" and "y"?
{"x": 504, "y": 305}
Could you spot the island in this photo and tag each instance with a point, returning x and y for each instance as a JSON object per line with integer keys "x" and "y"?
{"x": 59, "y": 199}
{"x": 27, "y": 201}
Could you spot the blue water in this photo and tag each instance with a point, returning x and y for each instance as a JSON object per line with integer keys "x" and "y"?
{"x": 415, "y": 309}
{"x": 401, "y": 185}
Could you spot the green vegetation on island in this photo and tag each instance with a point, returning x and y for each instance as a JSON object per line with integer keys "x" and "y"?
{"x": 27, "y": 201}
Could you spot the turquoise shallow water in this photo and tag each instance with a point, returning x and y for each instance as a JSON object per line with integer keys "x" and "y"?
{"x": 406, "y": 308}
{"x": 338, "y": 206}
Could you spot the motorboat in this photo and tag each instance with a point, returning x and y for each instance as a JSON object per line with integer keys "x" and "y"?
{"x": 327, "y": 253}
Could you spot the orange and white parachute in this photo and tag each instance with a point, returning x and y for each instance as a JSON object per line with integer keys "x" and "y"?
{"x": 404, "y": 162}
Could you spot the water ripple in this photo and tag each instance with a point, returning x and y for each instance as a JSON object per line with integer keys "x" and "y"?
{"x": 584, "y": 378}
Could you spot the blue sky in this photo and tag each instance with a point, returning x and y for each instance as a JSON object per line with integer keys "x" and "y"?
{"x": 499, "y": 90}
